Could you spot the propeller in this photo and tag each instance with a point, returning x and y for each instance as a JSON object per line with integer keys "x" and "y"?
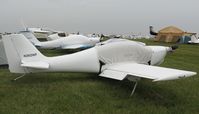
{"x": 174, "y": 47}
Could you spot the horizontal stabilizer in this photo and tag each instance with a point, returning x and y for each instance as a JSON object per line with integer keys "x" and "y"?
{"x": 120, "y": 71}
{"x": 35, "y": 65}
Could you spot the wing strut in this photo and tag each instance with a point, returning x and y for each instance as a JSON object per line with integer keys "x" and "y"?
{"x": 136, "y": 83}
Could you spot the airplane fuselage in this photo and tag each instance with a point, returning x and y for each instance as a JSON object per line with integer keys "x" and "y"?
{"x": 91, "y": 60}
{"x": 68, "y": 41}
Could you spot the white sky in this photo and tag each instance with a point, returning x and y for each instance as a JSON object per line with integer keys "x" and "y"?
{"x": 100, "y": 16}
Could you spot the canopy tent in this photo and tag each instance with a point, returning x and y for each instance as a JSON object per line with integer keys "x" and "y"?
{"x": 169, "y": 34}
{"x": 185, "y": 39}
{"x": 171, "y": 30}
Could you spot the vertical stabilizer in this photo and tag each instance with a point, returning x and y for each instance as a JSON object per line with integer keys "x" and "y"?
{"x": 18, "y": 50}
{"x": 31, "y": 37}
{"x": 152, "y": 31}
{"x": 194, "y": 38}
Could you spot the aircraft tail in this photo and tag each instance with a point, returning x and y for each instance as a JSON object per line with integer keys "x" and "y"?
{"x": 152, "y": 31}
{"x": 194, "y": 38}
{"x": 31, "y": 37}
{"x": 19, "y": 51}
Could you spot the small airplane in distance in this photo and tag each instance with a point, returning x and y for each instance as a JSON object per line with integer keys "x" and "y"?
{"x": 118, "y": 60}
{"x": 38, "y": 30}
{"x": 70, "y": 42}
{"x": 63, "y": 35}
{"x": 194, "y": 40}
{"x": 152, "y": 31}
{"x": 42, "y": 30}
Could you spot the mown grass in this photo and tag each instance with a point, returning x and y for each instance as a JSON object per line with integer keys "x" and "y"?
{"x": 61, "y": 93}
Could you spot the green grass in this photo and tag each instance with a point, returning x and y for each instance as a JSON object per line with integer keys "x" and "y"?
{"x": 61, "y": 93}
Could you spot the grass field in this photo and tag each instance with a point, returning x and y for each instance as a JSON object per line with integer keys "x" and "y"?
{"x": 63, "y": 93}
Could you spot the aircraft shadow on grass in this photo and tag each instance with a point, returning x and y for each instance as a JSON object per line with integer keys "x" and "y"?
{"x": 147, "y": 91}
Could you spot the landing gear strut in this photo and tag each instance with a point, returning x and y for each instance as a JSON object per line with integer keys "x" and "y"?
{"x": 19, "y": 77}
{"x": 136, "y": 83}
{"x": 133, "y": 79}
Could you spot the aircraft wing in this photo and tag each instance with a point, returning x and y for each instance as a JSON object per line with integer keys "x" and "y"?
{"x": 35, "y": 65}
{"x": 155, "y": 73}
{"x": 76, "y": 46}
{"x": 194, "y": 42}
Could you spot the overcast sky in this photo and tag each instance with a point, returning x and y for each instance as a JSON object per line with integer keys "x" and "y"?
{"x": 100, "y": 16}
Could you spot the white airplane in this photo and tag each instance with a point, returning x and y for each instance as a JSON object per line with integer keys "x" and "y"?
{"x": 119, "y": 60}
{"x": 38, "y": 30}
{"x": 42, "y": 30}
{"x": 194, "y": 40}
{"x": 70, "y": 42}
{"x": 63, "y": 35}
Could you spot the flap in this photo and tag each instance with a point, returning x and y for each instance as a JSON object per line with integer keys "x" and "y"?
{"x": 117, "y": 75}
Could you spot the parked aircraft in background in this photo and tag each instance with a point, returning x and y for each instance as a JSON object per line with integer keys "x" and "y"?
{"x": 41, "y": 33}
{"x": 152, "y": 32}
{"x": 194, "y": 40}
{"x": 42, "y": 30}
{"x": 70, "y": 42}
{"x": 38, "y": 30}
{"x": 118, "y": 60}
{"x": 63, "y": 35}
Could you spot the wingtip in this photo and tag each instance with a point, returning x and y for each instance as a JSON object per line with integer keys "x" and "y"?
{"x": 189, "y": 74}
